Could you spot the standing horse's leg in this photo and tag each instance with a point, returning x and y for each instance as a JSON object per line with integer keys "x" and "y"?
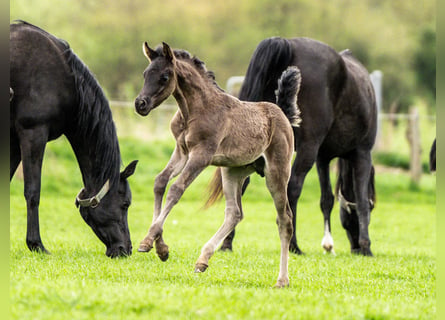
{"x": 172, "y": 169}
{"x": 232, "y": 179}
{"x": 362, "y": 165}
{"x": 197, "y": 161}
{"x": 32, "y": 148}
{"x": 227, "y": 243}
{"x": 349, "y": 221}
{"x": 348, "y": 217}
{"x": 326, "y": 203}
{"x": 14, "y": 154}
{"x": 304, "y": 161}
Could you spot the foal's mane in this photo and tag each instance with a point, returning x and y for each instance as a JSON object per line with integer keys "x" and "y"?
{"x": 195, "y": 62}
{"x": 93, "y": 122}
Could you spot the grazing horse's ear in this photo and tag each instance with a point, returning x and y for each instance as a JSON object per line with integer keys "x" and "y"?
{"x": 148, "y": 52}
{"x": 129, "y": 170}
{"x": 168, "y": 52}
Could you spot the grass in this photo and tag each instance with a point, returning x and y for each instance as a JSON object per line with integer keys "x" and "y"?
{"x": 77, "y": 281}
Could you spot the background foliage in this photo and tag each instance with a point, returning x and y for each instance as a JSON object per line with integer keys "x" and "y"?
{"x": 397, "y": 37}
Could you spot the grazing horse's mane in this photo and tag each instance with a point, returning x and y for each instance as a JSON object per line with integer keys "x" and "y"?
{"x": 93, "y": 122}
{"x": 194, "y": 61}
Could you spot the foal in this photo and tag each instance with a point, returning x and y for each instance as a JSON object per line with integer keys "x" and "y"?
{"x": 214, "y": 128}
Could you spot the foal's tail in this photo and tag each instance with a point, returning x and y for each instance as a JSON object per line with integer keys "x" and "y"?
{"x": 215, "y": 189}
{"x": 287, "y": 94}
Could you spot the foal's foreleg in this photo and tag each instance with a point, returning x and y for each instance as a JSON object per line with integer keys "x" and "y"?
{"x": 173, "y": 168}
{"x": 195, "y": 163}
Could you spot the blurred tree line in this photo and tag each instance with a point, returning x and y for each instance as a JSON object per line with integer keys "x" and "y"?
{"x": 397, "y": 36}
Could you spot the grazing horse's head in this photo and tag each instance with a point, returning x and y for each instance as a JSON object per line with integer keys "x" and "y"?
{"x": 159, "y": 78}
{"x": 106, "y": 213}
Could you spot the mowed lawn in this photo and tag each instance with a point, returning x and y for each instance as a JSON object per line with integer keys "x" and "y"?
{"x": 77, "y": 281}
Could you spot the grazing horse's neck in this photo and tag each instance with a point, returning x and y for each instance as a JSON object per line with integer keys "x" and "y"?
{"x": 92, "y": 171}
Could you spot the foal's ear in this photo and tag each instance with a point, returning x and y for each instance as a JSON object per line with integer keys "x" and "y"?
{"x": 129, "y": 170}
{"x": 148, "y": 52}
{"x": 168, "y": 52}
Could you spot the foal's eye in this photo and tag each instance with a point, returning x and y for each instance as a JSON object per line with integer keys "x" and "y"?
{"x": 164, "y": 78}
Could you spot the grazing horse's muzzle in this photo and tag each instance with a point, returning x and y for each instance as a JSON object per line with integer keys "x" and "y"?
{"x": 142, "y": 106}
{"x": 119, "y": 251}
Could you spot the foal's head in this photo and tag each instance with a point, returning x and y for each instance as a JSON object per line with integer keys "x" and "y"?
{"x": 159, "y": 78}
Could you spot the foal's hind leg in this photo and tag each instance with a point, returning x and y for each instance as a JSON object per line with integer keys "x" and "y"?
{"x": 276, "y": 181}
{"x": 232, "y": 179}
{"x": 326, "y": 203}
{"x": 227, "y": 243}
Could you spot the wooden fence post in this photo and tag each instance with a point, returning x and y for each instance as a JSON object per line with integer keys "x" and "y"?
{"x": 413, "y": 136}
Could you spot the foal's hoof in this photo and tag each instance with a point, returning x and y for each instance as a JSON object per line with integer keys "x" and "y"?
{"x": 143, "y": 247}
{"x": 200, "y": 267}
{"x": 162, "y": 252}
{"x": 281, "y": 284}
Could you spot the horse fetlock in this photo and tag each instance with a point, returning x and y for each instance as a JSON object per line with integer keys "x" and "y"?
{"x": 281, "y": 283}
{"x": 146, "y": 245}
{"x": 365, "y": 247}
{"x": 36, "y": 246}
{"x": 201, "y": 267}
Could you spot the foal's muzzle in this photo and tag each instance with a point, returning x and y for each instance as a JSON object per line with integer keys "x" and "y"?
{"x": 142, "y": 106}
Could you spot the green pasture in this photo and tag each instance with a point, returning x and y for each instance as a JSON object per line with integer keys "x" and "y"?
{"x": 77, "y": 281}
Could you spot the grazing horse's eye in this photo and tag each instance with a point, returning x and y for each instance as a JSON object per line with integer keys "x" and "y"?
{"x": 164, "y": 78}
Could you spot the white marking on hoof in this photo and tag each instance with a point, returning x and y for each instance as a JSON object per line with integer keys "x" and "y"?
{"x": 328, "y": 242}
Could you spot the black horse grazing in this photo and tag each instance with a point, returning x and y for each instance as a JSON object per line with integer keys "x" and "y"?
{"x": 339, "y": 119}
{"x": 433, "y": 157}
{"x": 55, "y": 94}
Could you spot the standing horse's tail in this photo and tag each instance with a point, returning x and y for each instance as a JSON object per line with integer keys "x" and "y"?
{"x": 269, "y": 60}
{"x": 287, "y": 94}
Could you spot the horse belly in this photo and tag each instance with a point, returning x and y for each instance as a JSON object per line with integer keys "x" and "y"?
{"x": 230, "y": 154}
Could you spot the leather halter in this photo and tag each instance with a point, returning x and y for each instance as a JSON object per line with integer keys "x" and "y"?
{"x": 94, "y": 201}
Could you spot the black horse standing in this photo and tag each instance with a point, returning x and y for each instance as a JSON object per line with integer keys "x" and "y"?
{"x": 53, "y": 93}
{"x": 339, "y": 119}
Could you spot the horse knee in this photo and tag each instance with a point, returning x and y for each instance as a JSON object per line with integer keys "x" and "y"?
{"x": 32, "y": 198}
{"x": 160, "y": 184}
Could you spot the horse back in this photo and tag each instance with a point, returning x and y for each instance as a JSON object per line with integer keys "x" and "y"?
{"x": 40, "y": 78}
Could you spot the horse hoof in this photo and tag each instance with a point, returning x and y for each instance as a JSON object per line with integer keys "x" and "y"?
{"x": 38, "y": 249}
{"x": 144, "y": 247}
{"x": 163, "y": 256}
{"x": 223, "y": 248}
{"x": 281, "y": 284}
{"x": 294, "y": 249}
{"x": 366, "y": 252}
{"x": 200, "y": 267}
